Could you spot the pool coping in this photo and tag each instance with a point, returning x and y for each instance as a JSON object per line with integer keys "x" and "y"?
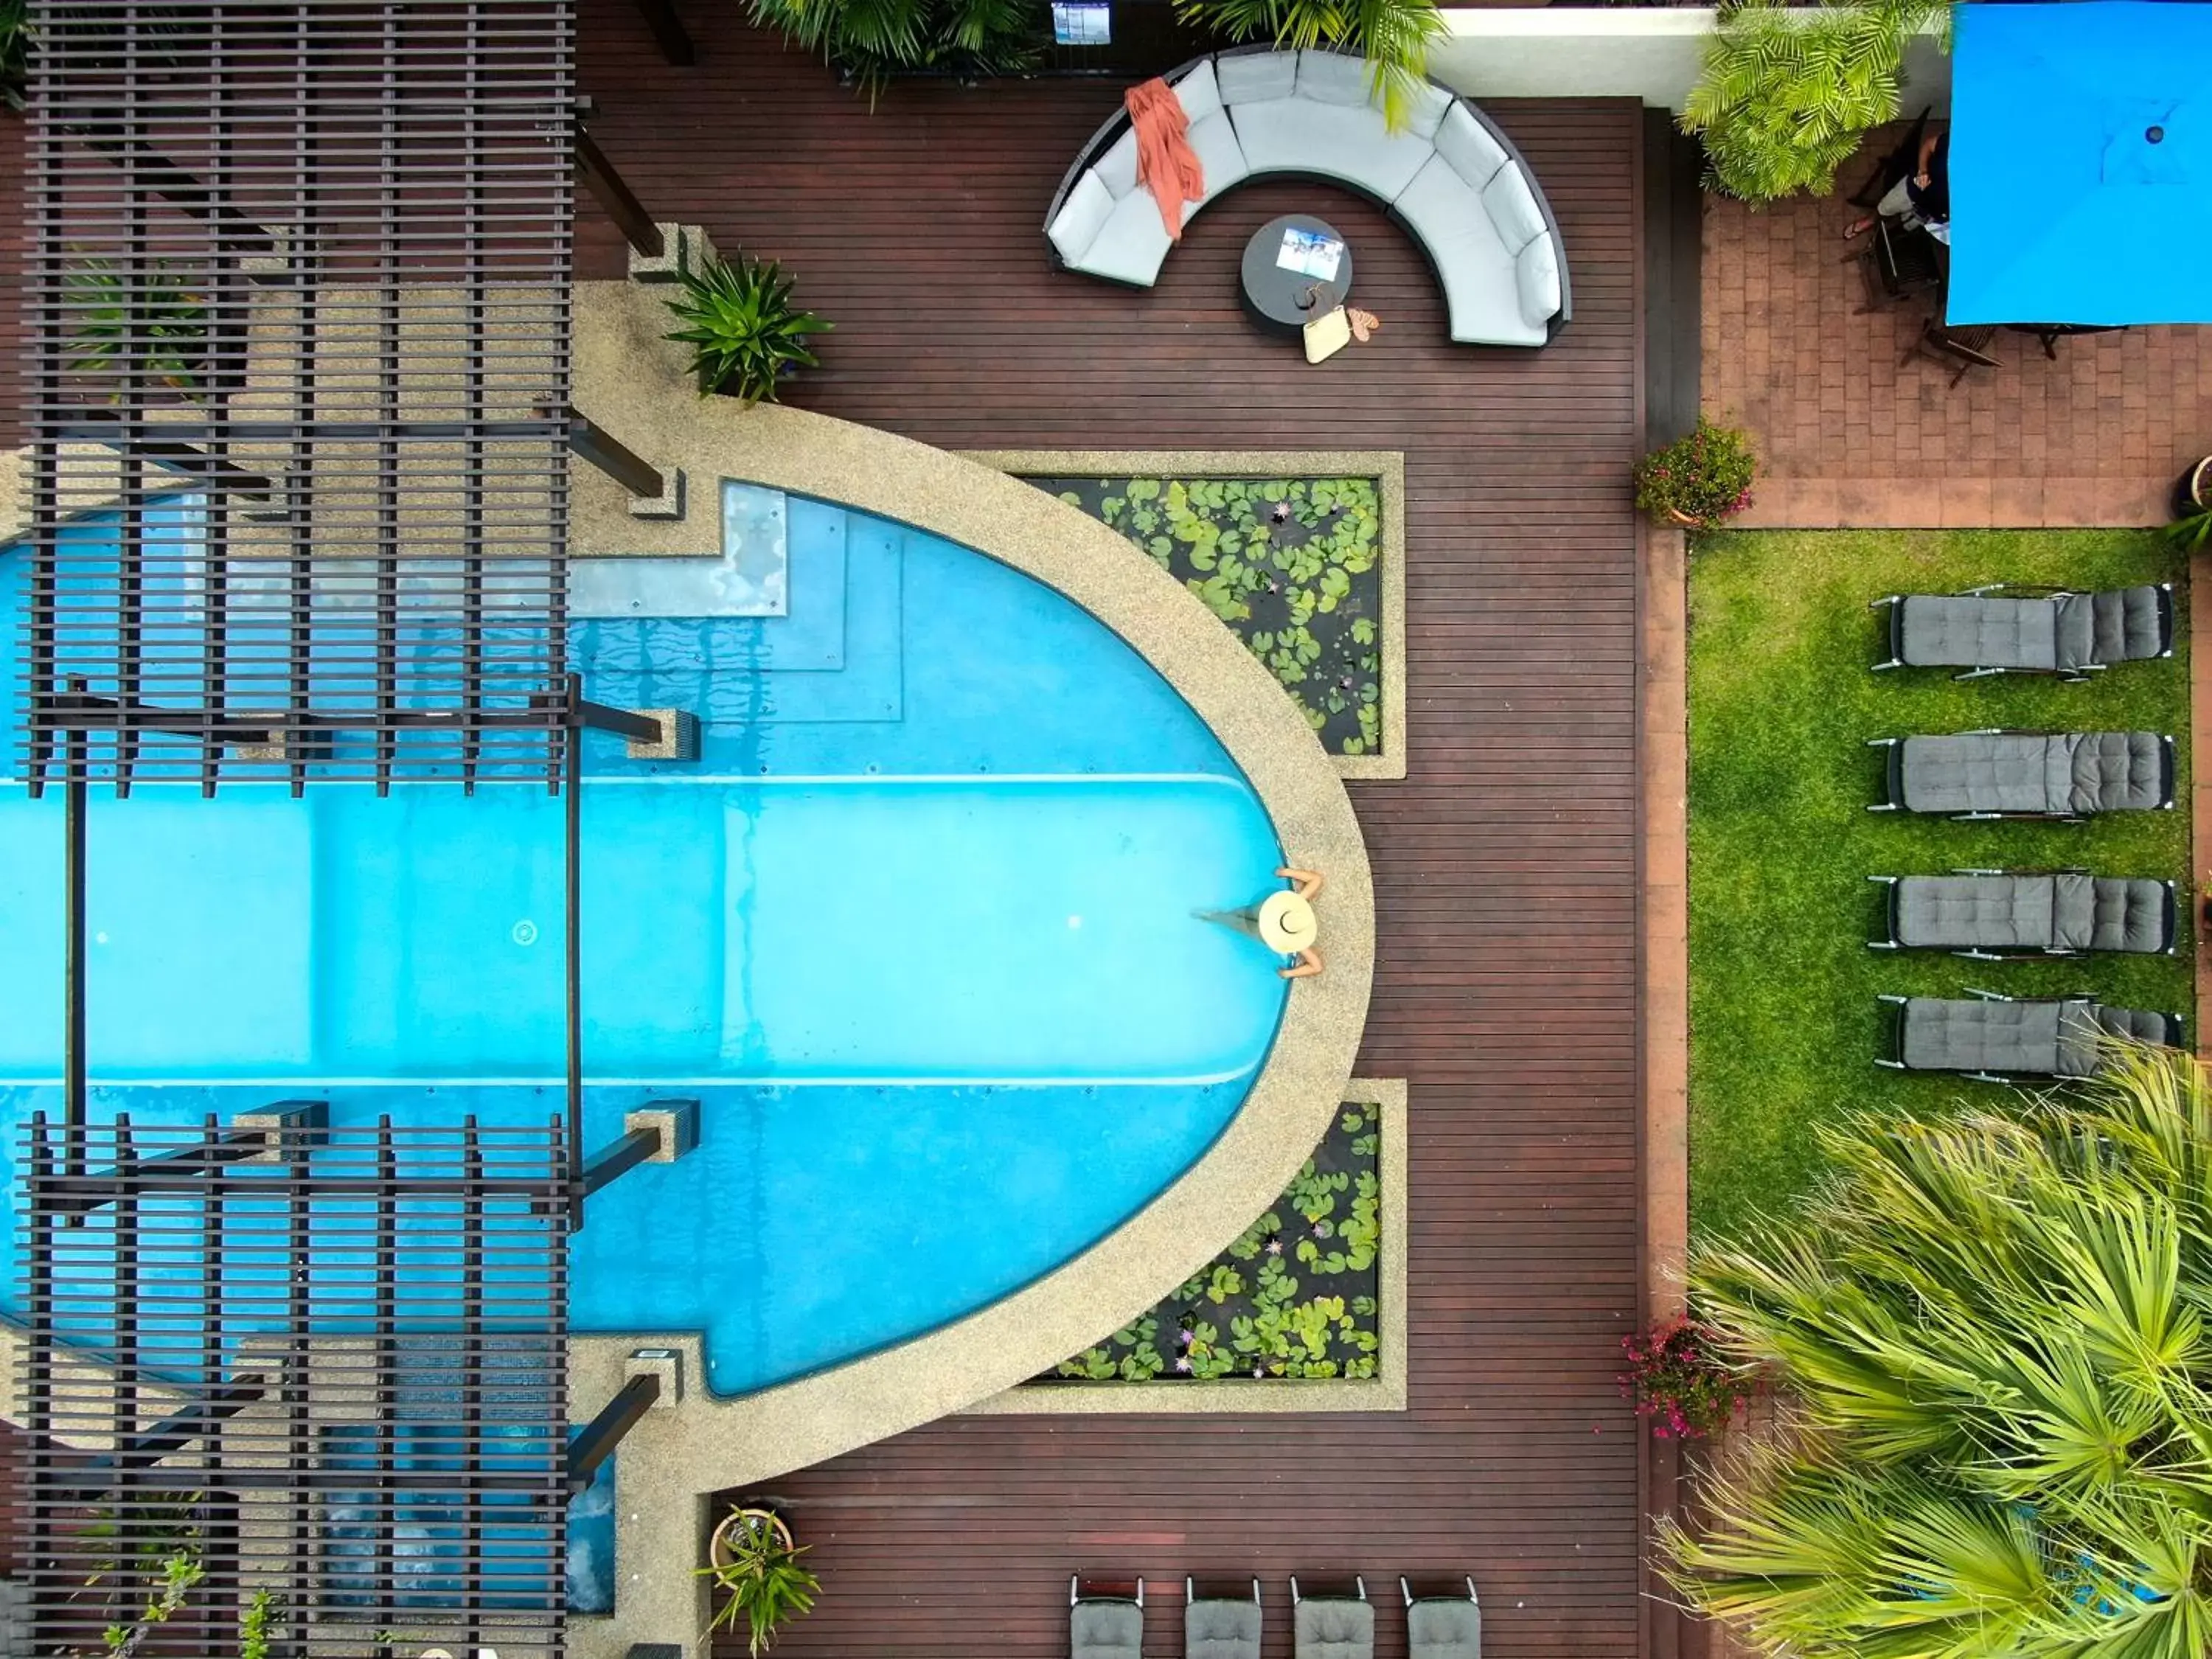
{"x": 1386, "y": 1391}
{"x": 633, "y": 383}
{"x": 1386, "y": 466}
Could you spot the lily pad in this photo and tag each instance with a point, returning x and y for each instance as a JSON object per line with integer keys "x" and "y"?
{"x": 1310, "y": 581}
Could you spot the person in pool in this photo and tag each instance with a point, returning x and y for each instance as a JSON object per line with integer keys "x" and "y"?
{"x": 1284, "y": 922}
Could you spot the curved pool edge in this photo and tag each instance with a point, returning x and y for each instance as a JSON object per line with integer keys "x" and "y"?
{"x": 706, "y": 1445}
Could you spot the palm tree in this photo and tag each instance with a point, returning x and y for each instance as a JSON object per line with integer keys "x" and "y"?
{"x": 1993, "y": 1330}
{"x": 1788, "y": 91}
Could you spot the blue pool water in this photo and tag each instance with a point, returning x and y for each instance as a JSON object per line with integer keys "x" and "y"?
{"x": 921, "y": 931}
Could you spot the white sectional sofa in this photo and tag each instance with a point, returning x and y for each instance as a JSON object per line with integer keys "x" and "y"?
{"x": 1448, "y": 176}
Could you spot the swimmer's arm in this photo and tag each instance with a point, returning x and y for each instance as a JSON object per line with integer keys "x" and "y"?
{"x": 1308, "y": 882}
{"x": 1309, "y": 965}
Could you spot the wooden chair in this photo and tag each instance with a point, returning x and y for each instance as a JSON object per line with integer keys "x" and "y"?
{"x": 1893, "y": 166}
{"x": 2048, "y": 335}
{"x": 1898, "y": 264}
{"x": 1968, "y": 348}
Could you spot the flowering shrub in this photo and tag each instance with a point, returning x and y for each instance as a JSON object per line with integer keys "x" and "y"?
{"x": 1679, "y": 1383}
{"x": 1705, "y": 476}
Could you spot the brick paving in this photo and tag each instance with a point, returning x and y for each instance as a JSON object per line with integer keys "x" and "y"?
{"x": 1850, "y": 434}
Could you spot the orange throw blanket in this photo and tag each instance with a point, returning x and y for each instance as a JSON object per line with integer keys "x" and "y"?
{"x": 1166, "y": 164}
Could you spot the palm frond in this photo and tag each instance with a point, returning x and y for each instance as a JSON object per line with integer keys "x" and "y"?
{"x": 1995, "y": 1331}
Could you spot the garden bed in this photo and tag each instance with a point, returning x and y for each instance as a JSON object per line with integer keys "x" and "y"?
{"x": 1291, "y": 565}
{"x": 1785, "y": 1026}
{"x": 1296, "y": 1296}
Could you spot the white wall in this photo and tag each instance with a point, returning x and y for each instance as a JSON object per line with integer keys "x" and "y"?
{"x": 1648, "y": 52}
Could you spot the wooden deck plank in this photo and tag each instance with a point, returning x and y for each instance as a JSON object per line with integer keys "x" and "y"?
{"x": 1506, "y": 863}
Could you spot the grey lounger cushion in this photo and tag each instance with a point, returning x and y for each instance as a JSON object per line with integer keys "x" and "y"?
{"x": 2063, "y": 911}
{"x": 2036, "y": 1039}
{"x": 1330, "y": 1628}
{"x": 1221, "y": 1629}
{"x": 2051, "y": 634}
{"x": 1443, "y": 1627}
{"x": 1105, "y": 1630}
{"x": 2064, "y": 772}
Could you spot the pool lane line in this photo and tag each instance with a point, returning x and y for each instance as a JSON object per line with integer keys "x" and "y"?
{"x": 717, "y": 1081}
{"x": 757, "y": 779}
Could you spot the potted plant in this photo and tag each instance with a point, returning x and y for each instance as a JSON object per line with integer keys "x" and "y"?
{"x": 2193, "y": 493}
{"x": 1680, "y": 1379}
{"x": 745, "y": 333}
{"x": 1698, "y": 480}
{"x": 754, "y": 1564}
{"x": 2191, "y": 529}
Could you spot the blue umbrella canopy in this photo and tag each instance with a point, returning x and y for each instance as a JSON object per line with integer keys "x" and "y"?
{"x": 2080, "y": 162}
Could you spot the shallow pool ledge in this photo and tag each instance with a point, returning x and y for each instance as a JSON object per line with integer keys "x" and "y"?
{"x": 632, "y": 383}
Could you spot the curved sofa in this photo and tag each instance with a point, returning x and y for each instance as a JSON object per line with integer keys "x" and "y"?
{"x": 1450, "y": 177}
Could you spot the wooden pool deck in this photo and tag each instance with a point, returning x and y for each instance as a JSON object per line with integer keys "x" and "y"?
{"x": 1506, "y": 863}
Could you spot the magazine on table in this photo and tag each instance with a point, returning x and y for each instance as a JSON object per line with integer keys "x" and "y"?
{"x": 1313, "y": 253}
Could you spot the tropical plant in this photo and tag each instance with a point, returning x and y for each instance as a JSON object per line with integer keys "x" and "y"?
{"x": 15, "y": 51}
{"x": 254, "y": 1627}
{"x": 872, "y": 40}
{"x": 180, "y": 1573}
{"x": 1680, "y": 1381}
{"x": 1788, "y": 91}
{"x": 1701, "y": 479}
{"x": 1994, "y": 1332}
{"x": 150, "y": 322}
{"x": 1394, "y": 36}
{"x": 756, "y": 1568}
{"x": 2191, "y": 531}
{"x": 744, "y": 331}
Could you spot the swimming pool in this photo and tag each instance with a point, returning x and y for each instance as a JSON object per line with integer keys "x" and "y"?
{"x": 921, "y": 931}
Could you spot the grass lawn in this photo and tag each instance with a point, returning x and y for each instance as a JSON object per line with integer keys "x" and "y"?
{"x": 1784, "y": 1022}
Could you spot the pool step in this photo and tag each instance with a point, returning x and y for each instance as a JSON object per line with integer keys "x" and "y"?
{"x": 837, "y": 655}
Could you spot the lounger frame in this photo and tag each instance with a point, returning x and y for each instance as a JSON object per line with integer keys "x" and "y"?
{"x": 1892, "y": 775}
{"x": 1895, "y": 602}
{"x": 2171, "y": 929}
{"x": 1080, "y": 1589}
{"x": 1892, "y": 1057}
{"x": 1359, "y": 1591}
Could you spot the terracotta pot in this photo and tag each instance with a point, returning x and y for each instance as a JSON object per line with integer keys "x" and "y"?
{"x": 2194, "y": 492}
{"x": 718, "y": 1551}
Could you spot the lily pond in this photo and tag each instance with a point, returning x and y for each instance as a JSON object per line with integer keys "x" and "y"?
{"x": 1296, "y": 1296}
{"x": 1291, "y": 565}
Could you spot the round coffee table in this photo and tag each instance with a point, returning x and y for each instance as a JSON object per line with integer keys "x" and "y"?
{"x": 1284, "y": 301}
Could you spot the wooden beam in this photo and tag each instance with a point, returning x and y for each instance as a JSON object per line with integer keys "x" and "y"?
{"x": 598, "y": 176}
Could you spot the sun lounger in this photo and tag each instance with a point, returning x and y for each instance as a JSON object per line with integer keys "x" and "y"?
{"x": 1103, "y": 1623}
{"x": 1443, "y": 1626}
{"x": 1333, "y": 1626}
{"x": 1999, "y": 915}
{"x": 2068, "y": 776}
{"x": 1220, "y": 1627}
{"x": 1989, "y": 630}
{"x": 1995, "y": 1039}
